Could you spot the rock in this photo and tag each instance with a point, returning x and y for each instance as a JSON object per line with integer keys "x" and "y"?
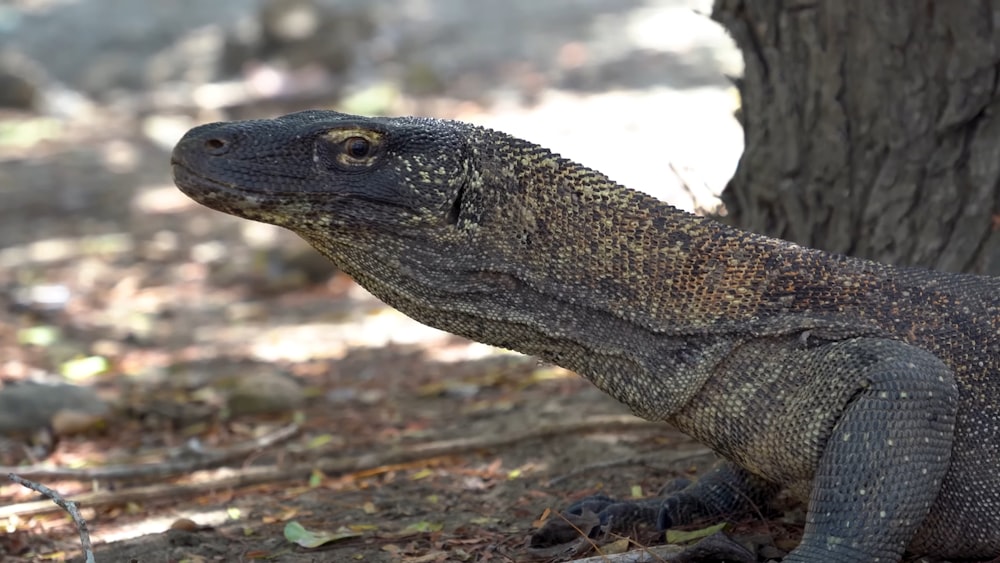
{"x": 263, "y": 392}
{"x": 28, "y": 407}
{"x": 19, "y": 89}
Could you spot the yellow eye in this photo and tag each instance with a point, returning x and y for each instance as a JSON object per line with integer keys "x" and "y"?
{"x": 351, "y": 148}
{"x": 357, "y": 147}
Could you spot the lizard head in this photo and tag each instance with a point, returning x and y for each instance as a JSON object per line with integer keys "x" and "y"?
{"x": 313, "y": 167}
{"x": 378, "y": 196}
{"x": 409, "y": 207}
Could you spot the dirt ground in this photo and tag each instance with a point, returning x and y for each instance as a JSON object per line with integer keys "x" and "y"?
{"x": 239, "y": 384}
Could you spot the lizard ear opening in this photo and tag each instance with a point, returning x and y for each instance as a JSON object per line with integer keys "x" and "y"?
{"x": 456, "y": 206}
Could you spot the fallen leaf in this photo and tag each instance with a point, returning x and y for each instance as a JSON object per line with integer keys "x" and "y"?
{"x": 423, "y": 527}
{"x": 615, "y": 547}
{"x": 297, "y": 534}
{"x": 422, "y": 474}
{"x": 315, "y": 479}
{"x": 82, "y": 368}
{"x": 688, "y": 536}
{"x": 319, "y": 441}
{"x": 38, "y": 335}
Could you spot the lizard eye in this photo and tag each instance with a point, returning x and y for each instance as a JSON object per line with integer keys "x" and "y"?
{"x": 351, "y": 149}
{"x": 357, "y": 147}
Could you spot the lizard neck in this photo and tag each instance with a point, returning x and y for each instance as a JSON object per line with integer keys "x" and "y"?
{"x": 579, "y": 238}
{"x": 555, "y": 260}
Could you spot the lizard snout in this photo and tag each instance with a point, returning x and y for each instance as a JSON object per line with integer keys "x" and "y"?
{"x": 204, "y": 141}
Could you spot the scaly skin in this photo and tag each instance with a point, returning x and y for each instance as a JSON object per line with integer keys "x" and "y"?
{"x": 871, "y": 391}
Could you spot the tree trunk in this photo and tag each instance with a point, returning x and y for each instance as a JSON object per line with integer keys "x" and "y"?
{"x": 872, "y": 128}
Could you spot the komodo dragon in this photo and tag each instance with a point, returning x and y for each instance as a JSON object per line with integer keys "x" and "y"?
{"x": 869, "y": 390}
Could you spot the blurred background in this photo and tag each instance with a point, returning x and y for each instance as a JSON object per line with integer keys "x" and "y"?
{"x": 133, "y": 320}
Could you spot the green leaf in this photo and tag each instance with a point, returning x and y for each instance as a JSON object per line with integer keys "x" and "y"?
{"x": 297, "y": 534}
{"x": 422, "y": 474}
{"x": 319, "y": 441}
{"x": 82, "y": 368}
{"x": 38, "y": 335}
{"x": 315, "y": 479}
{"x": 688, "y": 536}
{"x": 423, "y": 527}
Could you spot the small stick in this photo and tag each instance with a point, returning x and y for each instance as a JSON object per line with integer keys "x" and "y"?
{"x": 169, "y": 468}
{"x": 68, "y": 506}
{"x": 653, "y": 554}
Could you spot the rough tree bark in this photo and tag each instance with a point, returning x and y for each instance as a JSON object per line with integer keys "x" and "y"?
{"x": 872, "y": 128}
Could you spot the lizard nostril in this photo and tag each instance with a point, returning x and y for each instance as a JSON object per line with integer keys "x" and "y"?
{"x": 216, "y": 146}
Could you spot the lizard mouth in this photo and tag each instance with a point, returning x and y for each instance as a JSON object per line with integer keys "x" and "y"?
{"x": 213, "y": 193}
{"x": 194, "y": 184}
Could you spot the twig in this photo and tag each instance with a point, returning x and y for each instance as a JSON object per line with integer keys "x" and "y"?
{"x": 645, "y": 555}
{"x": 232, "y": 478}
{"x": 205, "y": 460}
{"x": 68, "y": 506}
{"x": 698, "y": 202}
{"x": 458, "y": 446}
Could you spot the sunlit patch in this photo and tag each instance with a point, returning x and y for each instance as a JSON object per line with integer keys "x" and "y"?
{"x": 153, "y": 525}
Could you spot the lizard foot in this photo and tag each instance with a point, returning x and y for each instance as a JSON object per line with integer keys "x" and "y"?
{"x": 598, "y": 515}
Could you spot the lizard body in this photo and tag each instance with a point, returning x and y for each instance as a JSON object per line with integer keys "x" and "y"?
{"x": 869, "y": 390}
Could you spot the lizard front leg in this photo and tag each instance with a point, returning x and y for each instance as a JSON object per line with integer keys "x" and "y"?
{"x": 875, "y": 475}
{"x": 884, "y": 463}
